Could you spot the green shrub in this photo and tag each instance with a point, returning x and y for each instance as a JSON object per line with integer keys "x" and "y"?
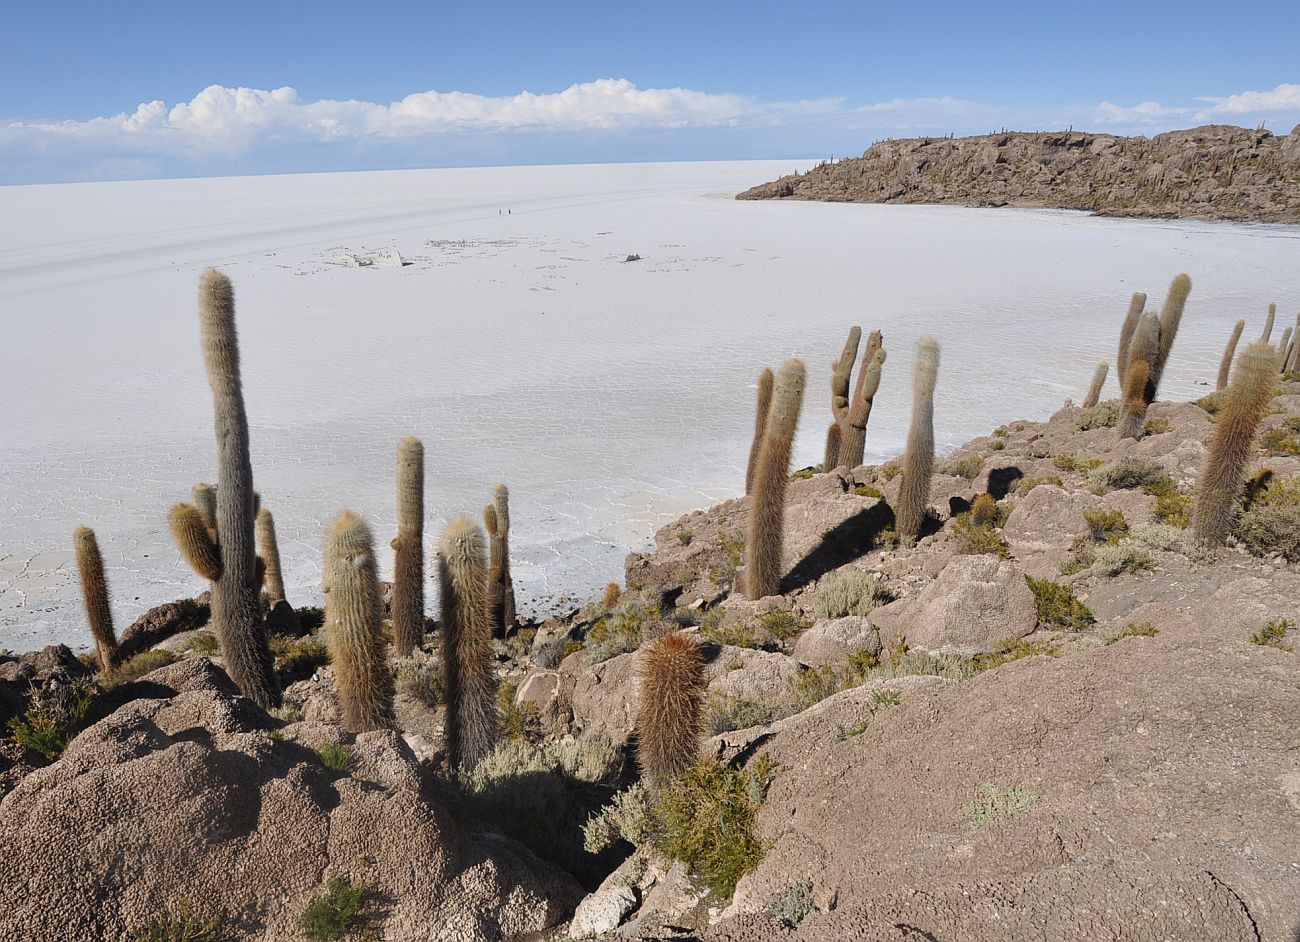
{"x": 793, "y": 905}
{"x": 55, "y": 713}
{"x": 886, "y": 698}
{"x": 890, "y": 471}
{"x": 724, "y": 713}
{"x": 335, "y": 757}
{"x": 512, "y": 718}
{"x": 1271, "y": 522}
{"x": 1012, "y": 649}
{"x": 182, "y": 926}
{"x": 974, "y": 539}
{"x": 804, "y": 474}
{"x": 146, "y": 662}
{"x": 1000, "y": 432}
{"x": 993, "y": 802}
{"x": 335, "y": 913}
{"x": 1171, "y": 539}
{"x": 1106, "y": 526}
{"x": 1079, "y": 461}
{"x": 866, "y": 490}
{"x": 1102, "y": 415}
{"x": 705, "y": 819}
{"x": 299, "y": 657}
{"x": 849, "y": 592}
{"x": 1058, "y": 607}
{"x": 1113, "y": 559}
{"x": 619, "y": 632}
{"x": 812, "y": 685}
{"x": 1026, "y": 485}
{"x": 420, "y": 680}
{"x": 1211, "y": 402}
{"x": 1172, "y": 506}
{"x": 1273, "y": 634}
{"x": 202, "y": 644}
{"x": 1283, "y": 440}
{"x": 967, "y": 467}
{"x": 764, "y": 631}
{"x": 1134, "y": 629}
{"x": 627, "y": 817}
{"x": 684, "y": 537}
{"x": 1156, "y": 426}
{"x": 1126, "y": 475}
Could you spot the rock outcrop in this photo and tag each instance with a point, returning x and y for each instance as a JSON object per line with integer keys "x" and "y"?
{"x": 1210, "y": 172}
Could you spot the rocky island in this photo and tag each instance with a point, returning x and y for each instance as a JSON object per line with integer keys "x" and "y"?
{"x": 1210, "y": 172}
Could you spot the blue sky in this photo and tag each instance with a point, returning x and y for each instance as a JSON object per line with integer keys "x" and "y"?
{"x": 146, "y": 89}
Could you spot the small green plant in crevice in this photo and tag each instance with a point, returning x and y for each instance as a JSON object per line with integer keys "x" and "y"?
{"x": 849, "y": 592}
{"x": 627, "y": 817}
{"x": 1000, "y": 432}
{"x": 180, "y": 926}
{"x": 1106, "y": 526}
{"x": 1079, "y": 461}
{"x": 811, "y": 685}
{"x": 792, "y": 905}
{"x": 620, "y": 631}
{"x": 724, "y": 713}
{"x": 299, "y": 657}
{"x": 514, "y": 719}
{"x": 1012, "y": 649}
{"x": 684, "y": 537}
{"x": 1134, "y": 629}
{"x": 1126, "y": 475}
{"x": 705, "y": 819}
{"x": 968, "y": 467}
{"x": 890, "y": 471}
{"x": 732, "y": 548}
{"x": 974, "y": 539}
{"x": 886, "y": 698}
{"x": 336, "y": 912}
{"x": 202, "y": 644}
{"x": 804, "y": 474}
{"x": 1171, "y": 539}
{"x": 1058, "y": 606}
{"x": 1156, "y": 426}
{"x": 146, "y": 662}
{"x": 1274, "y": 635}
{"x": 335, "y": 756}
{"x": 1114, "y": 559}
{"x": 1211, "y": 403}
{"x": 1172, "y": 506}
{"x": 1270, "y": 522}
{"x": 765, "y": 631}
{"x": 868, "y": 490}
{"x": 1028, "y": 484}
{"x": 994, "y": 801}
{"x": 1283, "y": 440}
{"x": 56, "y": 713}
{"x": 1102, "y": 415}
{"x": 420, "y": 680}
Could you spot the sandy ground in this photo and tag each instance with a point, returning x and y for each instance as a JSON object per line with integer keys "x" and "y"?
{"x": 611, "y": 396}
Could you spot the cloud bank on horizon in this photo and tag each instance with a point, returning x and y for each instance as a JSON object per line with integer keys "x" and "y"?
{"x": 225, "y": 130}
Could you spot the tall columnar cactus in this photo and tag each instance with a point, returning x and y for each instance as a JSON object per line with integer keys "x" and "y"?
{"x": 228, "y": 558}
{"x": 1225, "y": 364}
{"x": 408, "y": 567}
{"x": 834, "y": 441}
{"x": 1283, "y": 349}
{"x": 1243, "y": 406}
{"x": 1292, "y": 362}
{"x": 269, "y": 553}
{"x": 767, "y": 501}
{"x": 856, "y": 413}
{"x": 353, "y": 633}
{"x": 918, "y": 459}
{"x": 669, "y": 721}
{"x": 94, "y": 592}
{"x": 1098, "y": 381}
{"x": 1139, "y": 385}
{"x": 501, "y": 586}
{"x": 841, "y": 377}
{"x": 466, "y": 648}
{"x": 763, "y": 404}
{"x": 1268, "y": 324}
{"x": 1135, "y": 307}
{"x": 1171, "y": 315}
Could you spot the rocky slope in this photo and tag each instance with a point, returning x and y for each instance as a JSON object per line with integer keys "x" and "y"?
{"x": 1210, "y": 172}
{"x": 946, "y": 749}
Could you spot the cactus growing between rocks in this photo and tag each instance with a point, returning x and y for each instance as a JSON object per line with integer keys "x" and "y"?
{"x": 94, "y": 593}
{"x": 612, "y": 595}
{"x": 470, "y": 685}
{"x": 272, "y": 576}
{"x": 1098, "y": 381}
{"x": 501, "y": 587}
{"x": 669, "y": 721}
{"x": 1243, "y": 406}
{"x": 918, "y": 459}
{"x": 1135, "y": 307}
{"x": 853, "y": 423}
{"x": 764, "y": 403}
{"x": 408, "y": 565}
{"x": 767, "y": 502}
{"x": 1225, "y": 364}
{"x": 353, "y": 632}
{"x": 831, "y": 457}
{"x": 228, "y": 557}
{"x": 1139, "y": 384}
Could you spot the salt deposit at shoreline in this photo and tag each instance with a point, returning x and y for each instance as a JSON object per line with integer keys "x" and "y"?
{"x": 611, "y": 396}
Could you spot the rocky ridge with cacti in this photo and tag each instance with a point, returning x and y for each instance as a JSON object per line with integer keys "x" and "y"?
{"x": 1210, "y": 172}
{"x": 1060, "y": 702}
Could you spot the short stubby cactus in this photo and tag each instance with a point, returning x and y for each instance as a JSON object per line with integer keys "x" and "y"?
{"x": 466, "y": 650}
{"x": 269, "y": 552}
{"x": 228, "y": 556}
{"x": 94, "y": 592}
{"x": 353, "y": 632}
{"x": 918, "y": 459}
{"x": 408, "y": 547}
{"x": 1151, "y": 342}
{"x": 771, "y": 476}
{"x": 1232, "y": 442}
{"x": 670, "y": 719}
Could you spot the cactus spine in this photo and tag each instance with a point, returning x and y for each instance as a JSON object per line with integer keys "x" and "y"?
{"x": 408, "y": 566}
{"x": 918, "y": 459}
{"x": 1139, "y": 386}
{"x": 764, "y": 403}
{"x": 1225, "y": 364}
{"x": 767, "y": 502}
{"x": 466, "y": 646}
{"x": 1135, "y": 307}
{"x": 501, "y": 587}
{"x": 94, "y": 592}
{"x": 854, "y": 425}
{"x": 228, "y": 557}
{"x": 353, "y": 632}
{"x": 272, "y": 576}
{"x": 1243, "y": 406}
{"x": 669, "y": 721}
{"x": 1098, "y": 381}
